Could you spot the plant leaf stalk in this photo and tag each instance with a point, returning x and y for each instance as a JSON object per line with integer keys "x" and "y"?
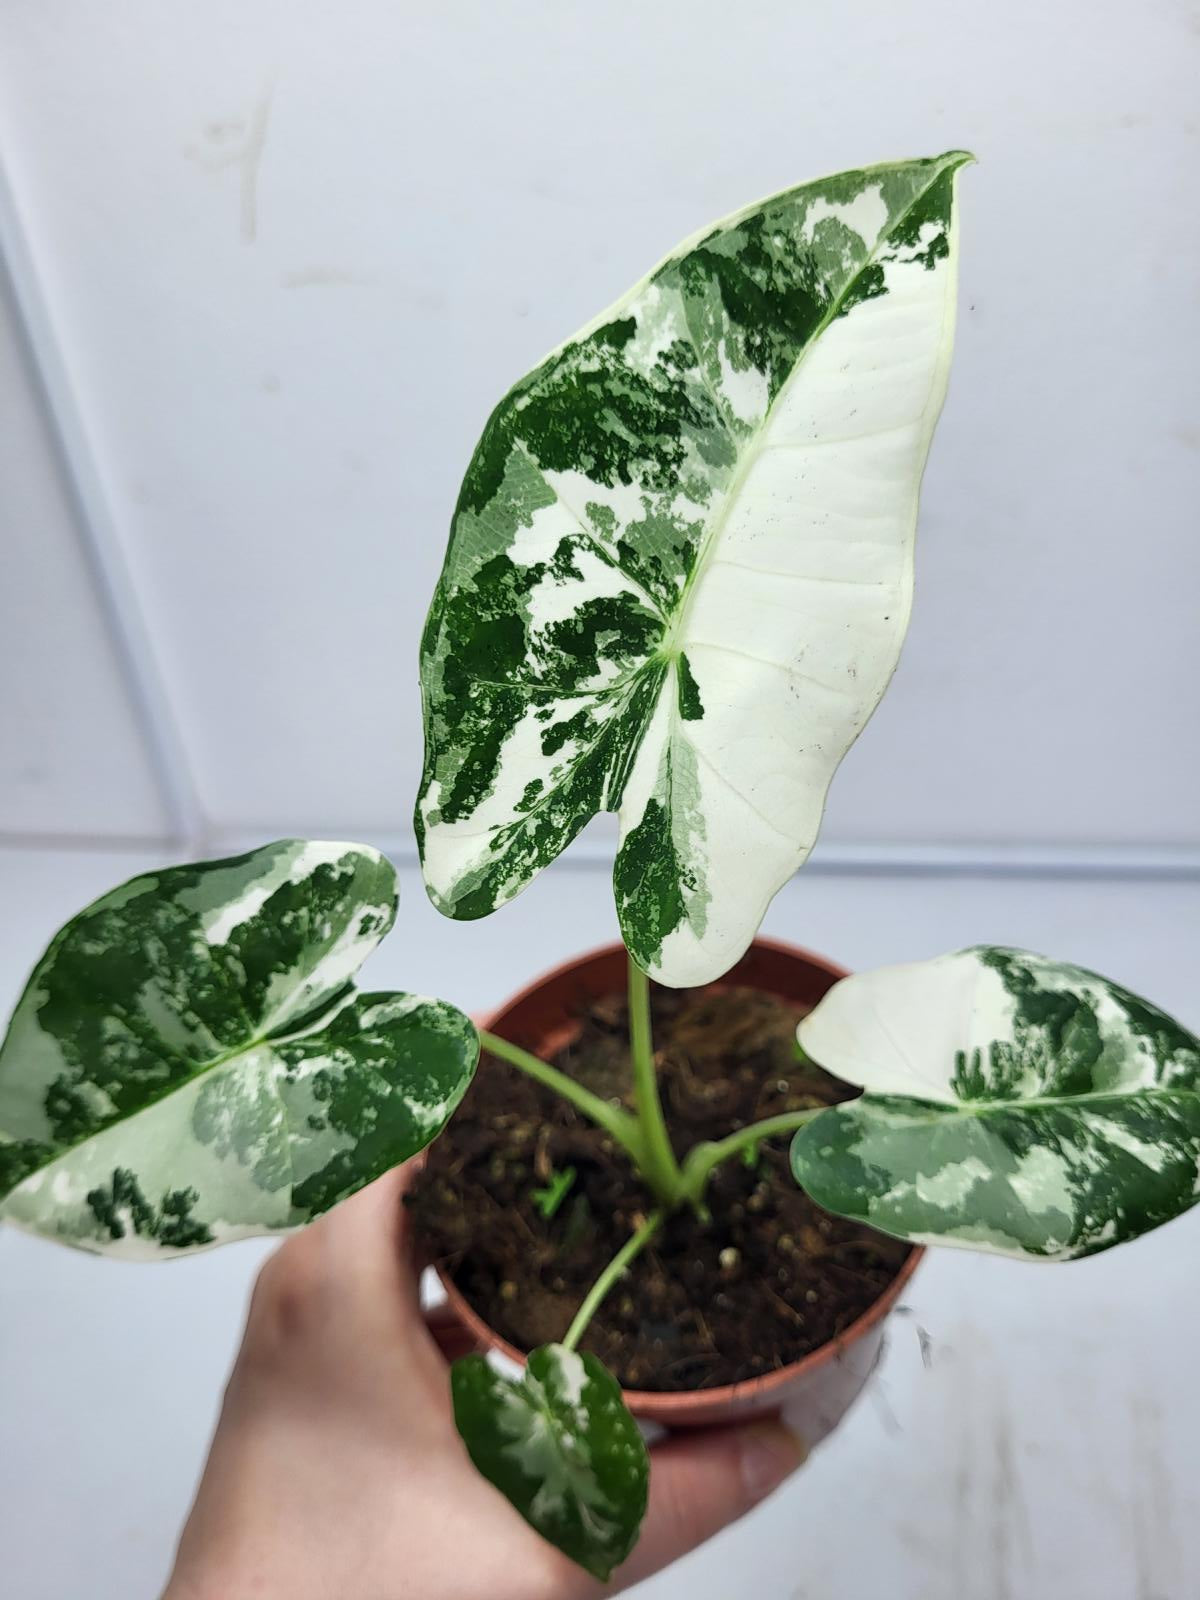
{"x": 632, "y": 1247}
{"x": 702, "y": 1159}
{"x": 615, "y": 1120}
{"x": 659, "y": 1167}
{"x": 642, "y": 1133}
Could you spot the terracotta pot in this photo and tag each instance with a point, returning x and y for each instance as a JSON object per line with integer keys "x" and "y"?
{"x": 815, "y": 1392}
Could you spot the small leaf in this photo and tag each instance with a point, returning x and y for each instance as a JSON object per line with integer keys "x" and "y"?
{"x": 560, "y": 1445}
{"x": 551, "y": 1197}
{"x": 189, "y": 1063}
{"x": 680, "y": 569}
{"x": 1013, "y": 1104}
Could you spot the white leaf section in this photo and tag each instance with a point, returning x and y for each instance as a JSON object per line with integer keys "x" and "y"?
{"x": 794, "y": 627}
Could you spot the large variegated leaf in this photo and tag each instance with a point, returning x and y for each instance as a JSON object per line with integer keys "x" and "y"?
{"x": 1013, "y": 1104}
{"x": 189, "y": 1063}
{"x": 561, "y": 1446}
{"x": 680, "y": 568}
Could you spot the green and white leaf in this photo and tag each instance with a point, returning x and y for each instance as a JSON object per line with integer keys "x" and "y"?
{"x": 561, "y": 1446}
{"x": 189, "y": 1063}
{"x": 680, "y": 568}
{"x": 1012, "y": 1104}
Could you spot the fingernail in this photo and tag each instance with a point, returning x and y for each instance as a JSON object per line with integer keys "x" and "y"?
{"x": 770, "y": 1453}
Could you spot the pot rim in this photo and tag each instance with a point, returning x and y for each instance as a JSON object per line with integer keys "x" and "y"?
{"x": 666, "y": 1406}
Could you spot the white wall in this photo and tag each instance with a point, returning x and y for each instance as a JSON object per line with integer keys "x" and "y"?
{"x": 291, "y": 254}
{"x": 71, "y": 754}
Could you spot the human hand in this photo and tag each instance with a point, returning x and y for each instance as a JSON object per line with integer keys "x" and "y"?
{"x": 336, "y": 1472}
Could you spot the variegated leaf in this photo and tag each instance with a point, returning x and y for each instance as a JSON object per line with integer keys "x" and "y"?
{"x": 1013, "y": 1104}
{"x": 189, "y": 1063}
{"x": 680, "y": 569}
{"x": 560, "y": 1445}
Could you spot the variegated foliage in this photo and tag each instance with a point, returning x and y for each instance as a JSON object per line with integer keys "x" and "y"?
{"x": 1013, "y": 1104}
{"x": 560, "y": 1444}
{"x": 190, "y": 1063}
{"x": 680, "y": 568}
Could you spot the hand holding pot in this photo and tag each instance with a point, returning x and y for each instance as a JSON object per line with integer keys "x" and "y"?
{"x": 336, "y": 1472}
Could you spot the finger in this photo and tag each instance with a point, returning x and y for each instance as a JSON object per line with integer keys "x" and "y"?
{"x": 701, "y": 1482}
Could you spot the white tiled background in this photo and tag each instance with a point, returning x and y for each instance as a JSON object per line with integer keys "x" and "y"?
{"x": 269, "y": 265}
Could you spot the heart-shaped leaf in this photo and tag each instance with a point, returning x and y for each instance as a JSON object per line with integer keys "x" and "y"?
{"x": 561, "y": 1446}
{"x": 189, "y": 1063}
{"x": 1013, "y": 1104}
{"x": 680, "y": 569}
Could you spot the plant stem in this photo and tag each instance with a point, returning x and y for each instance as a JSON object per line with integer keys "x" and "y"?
{"x": 591, "y": 1304}
{"x": 659, "y": 1166}
{"x": 615, "y": 1120}
{"x": 703, "y": 1158}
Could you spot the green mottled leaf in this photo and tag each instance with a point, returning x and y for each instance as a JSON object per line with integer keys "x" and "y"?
{"x": 1013, "y": 1104}
{"x": 680, "y": 568}
{"x": 189, "y": 1063}
{"x": 561, "y": 1446}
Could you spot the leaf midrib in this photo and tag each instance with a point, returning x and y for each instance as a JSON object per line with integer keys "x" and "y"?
{"x": 754, "y": 445}
{"x": 573, "y": 1474}
{"x": 939, "y": 1110}
{"x": 674, "y": 639}
{"x": 308, "y": 1025}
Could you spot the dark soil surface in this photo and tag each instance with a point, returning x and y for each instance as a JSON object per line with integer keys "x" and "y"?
{"x": 770, "y": 1277}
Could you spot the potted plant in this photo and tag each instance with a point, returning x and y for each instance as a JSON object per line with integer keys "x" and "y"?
{"x": 677, "y": 582}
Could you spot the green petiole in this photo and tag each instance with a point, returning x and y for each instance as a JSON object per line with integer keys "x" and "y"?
{"x": 632, "y": 1247}
{"x": 615, "y": 1120}
{"x": 704, "y": 1158}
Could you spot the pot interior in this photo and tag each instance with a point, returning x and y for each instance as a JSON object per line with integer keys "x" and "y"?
{"x": 747, "y": 1280}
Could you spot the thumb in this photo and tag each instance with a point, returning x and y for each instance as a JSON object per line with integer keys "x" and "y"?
{"x": 701, "y": 1482}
